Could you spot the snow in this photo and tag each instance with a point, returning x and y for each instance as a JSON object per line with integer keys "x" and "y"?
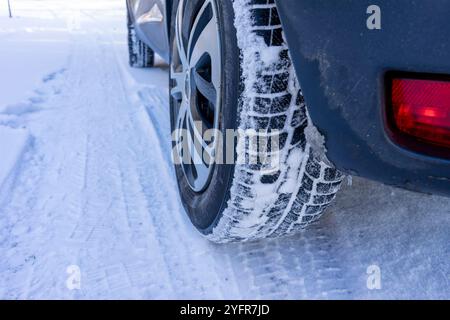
{"x": 316, "y": 140}
{"x": 85, "y": 146}
{"x": 13, "y": 143}
{"x": 37, "y": 43}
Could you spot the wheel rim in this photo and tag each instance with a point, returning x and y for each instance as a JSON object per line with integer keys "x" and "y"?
{"x": 196, "y": 70}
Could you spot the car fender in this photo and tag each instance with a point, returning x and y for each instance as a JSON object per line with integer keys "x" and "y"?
{"x": 151, "y": 22}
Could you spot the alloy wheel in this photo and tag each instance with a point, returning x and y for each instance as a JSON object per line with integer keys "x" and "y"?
{"x": 196, "y": 69}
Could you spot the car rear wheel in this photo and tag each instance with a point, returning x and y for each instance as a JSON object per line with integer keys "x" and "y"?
{"x": 230, "y": 70}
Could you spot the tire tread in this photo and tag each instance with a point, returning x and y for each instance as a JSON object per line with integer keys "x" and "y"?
{"x": 301, "y": 190}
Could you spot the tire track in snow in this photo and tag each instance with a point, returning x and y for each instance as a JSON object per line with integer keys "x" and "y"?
{"x": 155, "y": 101}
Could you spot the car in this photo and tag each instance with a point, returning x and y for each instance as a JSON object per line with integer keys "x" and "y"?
{"x": 344, "y": 88}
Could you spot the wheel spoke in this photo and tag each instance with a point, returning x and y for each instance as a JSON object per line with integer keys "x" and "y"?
{"x": 204, "y": 40}
{"x": 182, "y": 113}
{"x": 181, "y": 131}
{"x": 198, "y": 134}
{"x": 206, "y": 88}
{"x": 196, "y": 82}
{"x": 179, "y": 35}
{"x": 196, "y": 154}
{"x": 177, "y": 90}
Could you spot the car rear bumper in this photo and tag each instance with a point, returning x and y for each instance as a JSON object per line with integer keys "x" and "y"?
{"x": 342, "y": 65}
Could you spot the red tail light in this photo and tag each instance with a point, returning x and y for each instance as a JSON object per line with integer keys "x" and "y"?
{"x": 420, "y": 111}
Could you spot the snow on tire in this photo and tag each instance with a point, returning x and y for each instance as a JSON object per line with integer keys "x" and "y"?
{"x": 284, "y": 201}
{"x": 140, "y": 55}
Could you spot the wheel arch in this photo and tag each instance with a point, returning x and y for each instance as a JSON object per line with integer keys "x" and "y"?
{"x": 153, "y": 34}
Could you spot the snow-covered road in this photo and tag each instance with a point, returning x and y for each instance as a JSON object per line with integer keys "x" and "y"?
{"x": 86, "y": 183}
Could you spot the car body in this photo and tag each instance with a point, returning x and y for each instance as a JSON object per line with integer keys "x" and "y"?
{"x": 344, "y": 69}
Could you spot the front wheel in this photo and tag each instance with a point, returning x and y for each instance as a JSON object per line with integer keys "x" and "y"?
{"x": 230, "y": 70}
{"x": 140, "y": 55}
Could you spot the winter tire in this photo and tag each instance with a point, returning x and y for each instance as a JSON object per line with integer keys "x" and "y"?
{"x": 230, "y": 69}
{"x": 140, "y": 54}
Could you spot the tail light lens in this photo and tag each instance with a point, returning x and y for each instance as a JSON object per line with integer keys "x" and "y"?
{"x": 419, "y": 112}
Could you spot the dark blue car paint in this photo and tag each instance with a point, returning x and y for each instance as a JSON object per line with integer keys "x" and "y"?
{"x": 342, "y": 65}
